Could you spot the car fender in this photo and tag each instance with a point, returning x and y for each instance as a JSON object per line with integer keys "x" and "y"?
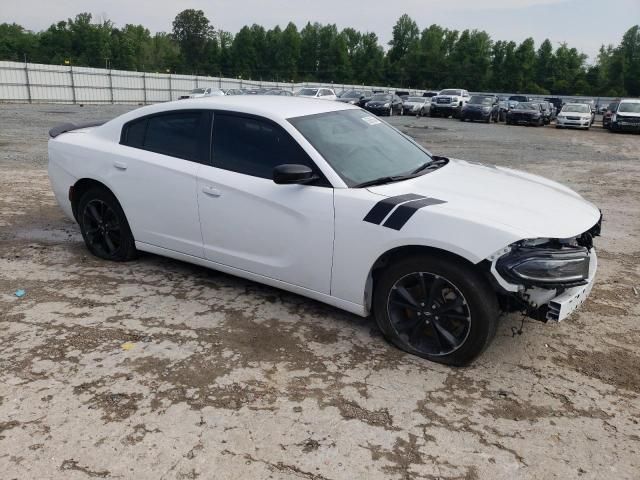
{"x": 360, "y": 239}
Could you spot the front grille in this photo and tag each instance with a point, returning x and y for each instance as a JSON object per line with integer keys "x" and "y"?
{"x": 629, "y": 119}
{"x": 573, "y": 118}
{"x": 443, "y": 100}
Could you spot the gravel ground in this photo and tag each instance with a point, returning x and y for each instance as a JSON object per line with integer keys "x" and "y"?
{"x": 159, "y": 369}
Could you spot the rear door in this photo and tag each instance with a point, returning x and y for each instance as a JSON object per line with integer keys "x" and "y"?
{"x": 155, "y": 176}
{"x": 284, "y": 232}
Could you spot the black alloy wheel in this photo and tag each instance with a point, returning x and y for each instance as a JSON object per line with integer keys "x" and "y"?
{"x": 104, "y": 226}
{"x": 435, "y": 307}
{"x": 429, "y": 313}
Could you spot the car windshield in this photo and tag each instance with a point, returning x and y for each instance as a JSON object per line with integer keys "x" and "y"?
{"x": 416, "y": 99}
{"x": 197, "y": 90}
{"x": 480, "y": 100}
{"x": 380, "y": 97}
{"x": 527, "y": 106}
{"x": 450, "y": 92}
{"x": 351, "y": 94}
{"x": 576, "y": 108}
{"x": 629, "y": 107}
{"x": 359, "y": 147}
{"x": 308, "y": 91}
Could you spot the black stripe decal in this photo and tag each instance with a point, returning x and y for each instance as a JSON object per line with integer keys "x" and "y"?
{"x": 404, "y": 212}
{"x": 381, "y": 209}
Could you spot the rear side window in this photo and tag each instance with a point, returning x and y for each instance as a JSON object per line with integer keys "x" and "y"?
{"x": 252, "y": 146}
{"x": 177, "y": 134}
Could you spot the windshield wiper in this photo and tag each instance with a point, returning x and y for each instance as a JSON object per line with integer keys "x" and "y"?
{"x": 382, "y": 181}
{"x": 436, "y": 162}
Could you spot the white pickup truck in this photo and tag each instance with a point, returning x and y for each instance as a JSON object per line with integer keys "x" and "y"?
{"x": 449, "y": 102}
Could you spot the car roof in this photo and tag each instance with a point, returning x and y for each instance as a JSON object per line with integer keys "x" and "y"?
{"x": 629, "y": 100}
{"x": 274, "y": 107}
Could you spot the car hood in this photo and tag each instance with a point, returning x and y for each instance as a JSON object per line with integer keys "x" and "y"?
{"x": 629, "y": 114}
{"x": 526, "y": 205}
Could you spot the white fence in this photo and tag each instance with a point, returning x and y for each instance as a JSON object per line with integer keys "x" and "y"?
{"x": 38, "y": 83}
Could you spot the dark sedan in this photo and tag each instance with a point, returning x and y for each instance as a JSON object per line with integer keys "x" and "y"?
{"x": 481, "y": 107}
{"x": 526, "y": 113}
{"x": 356, "y": 97}
{"x": 385, "y": 104}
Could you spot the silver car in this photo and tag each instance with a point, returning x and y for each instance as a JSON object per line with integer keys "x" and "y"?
{"x": 418, "y": 106}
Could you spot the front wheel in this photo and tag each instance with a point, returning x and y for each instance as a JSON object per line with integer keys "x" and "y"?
{"x": 436, "y": 308}
{"x": 104, "y": 226}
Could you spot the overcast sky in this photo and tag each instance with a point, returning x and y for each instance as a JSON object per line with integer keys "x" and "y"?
{"x": 584, "y": 24}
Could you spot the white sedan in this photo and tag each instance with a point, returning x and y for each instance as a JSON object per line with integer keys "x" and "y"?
{"x": 327, "y": 201}
{"x": 321, "y": 93}
{"x": 575, "y": 115}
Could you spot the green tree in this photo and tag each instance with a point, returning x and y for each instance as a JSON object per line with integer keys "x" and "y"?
{"x": 192, "y": 30}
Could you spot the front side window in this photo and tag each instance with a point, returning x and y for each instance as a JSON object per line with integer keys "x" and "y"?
{"x": 253, "y": 146}
{"x": 359, "y": 147}
{"x": 176, "y": 134}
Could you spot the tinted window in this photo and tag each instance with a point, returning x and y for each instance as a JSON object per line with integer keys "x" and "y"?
{"x": 178, "y": 134}
{"x": 252, "y": 146}
{"x": 175, "y": 135}
{"x": 134, "y": 133}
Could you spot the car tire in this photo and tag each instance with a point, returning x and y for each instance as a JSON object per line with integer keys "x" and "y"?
{"x": 437, "y": 308}
{"x": 104, "y": 226}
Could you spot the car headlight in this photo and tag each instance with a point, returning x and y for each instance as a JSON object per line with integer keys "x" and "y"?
{"x": 387, "y": 105}
{"x": 545, "y": 267}
{"x": 352, "y": 102}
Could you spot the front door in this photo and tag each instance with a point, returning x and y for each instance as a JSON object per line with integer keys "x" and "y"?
{"x": 284, "y": 232}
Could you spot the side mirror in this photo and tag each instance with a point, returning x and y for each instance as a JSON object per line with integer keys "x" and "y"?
{"x": 288, "y": 174}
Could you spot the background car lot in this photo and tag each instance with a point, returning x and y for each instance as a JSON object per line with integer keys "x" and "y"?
{"x": 159, "y": 369}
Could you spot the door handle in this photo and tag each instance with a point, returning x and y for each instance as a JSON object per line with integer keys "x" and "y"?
{"x": 212, "y": 192}
{"x": 120, "y": 165}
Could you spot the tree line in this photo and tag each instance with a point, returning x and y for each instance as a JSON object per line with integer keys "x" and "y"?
{"x": 434, "y": 57}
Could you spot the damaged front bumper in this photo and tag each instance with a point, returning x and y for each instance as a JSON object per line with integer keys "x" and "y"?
{"x": 560, "y": 307}
{"x": 553, "y": 292}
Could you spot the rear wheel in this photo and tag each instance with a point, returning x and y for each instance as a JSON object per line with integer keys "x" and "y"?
{"x": 436, "y": 308}
{"x": 104, "y": 226}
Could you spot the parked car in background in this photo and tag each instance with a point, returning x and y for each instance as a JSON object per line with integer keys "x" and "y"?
{"x": 418, "y": 106}
{"x": 254, "y": 91}
{"x": 574, "y": 115}
{"x": 626, "y": 118}
{"x": 206, "y": 92}
{"x": 278, "y": 91}
{"x": 608, "y": 113}
{"x": 323, "y": 200}
{"x": 503, "y": 108}
{"x": 402, "y": 94}
{"x": 481, "y": 107}
{"x": 234, "y": 91}
{"x": 356, "y": 97}
{"x": 449, "y": 103}
{"x": 526, "y": 113}
{"x": 548, "y": 111}
{"x": 321, "y": 93}
{"x": 556, "y": 102}
{"x": 514, "y": 100}
{"x": 430, "y": 94}
{"x": 385, "y": 104}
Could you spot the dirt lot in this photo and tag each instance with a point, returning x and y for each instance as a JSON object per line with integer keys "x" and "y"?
{"x": 161, "y": 370}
